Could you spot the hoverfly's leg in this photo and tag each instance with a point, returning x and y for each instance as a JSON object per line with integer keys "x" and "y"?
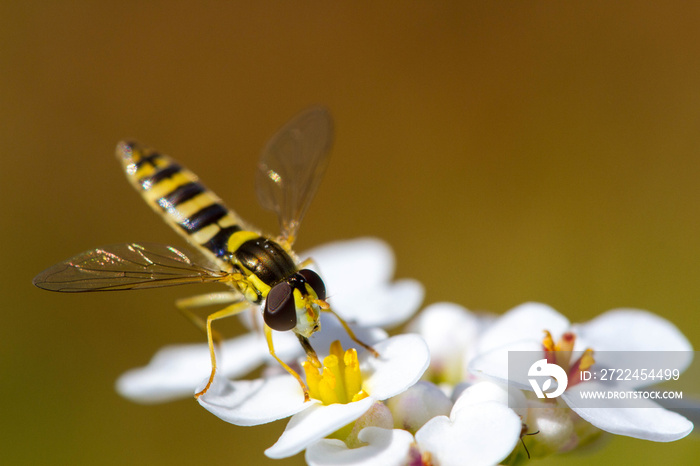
{"x": 185, "y": 306}
{"x": 286, "y": 242}
{"x": 270, "y": 345}
{"x": 307, "y": 262}
{"x": 231, "y": 310}
{"x": 350, "y": 333}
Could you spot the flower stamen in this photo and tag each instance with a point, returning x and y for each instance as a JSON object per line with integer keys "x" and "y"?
{"x": 582, "y": 364}
{"x": 340, "y": 379}
{"x": 549, "y": 347}
{"x": 561, "y": 352}
{"x": 566, "y": 342}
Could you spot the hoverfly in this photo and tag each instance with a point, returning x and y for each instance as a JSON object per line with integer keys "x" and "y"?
{"x": 260, "y": 270}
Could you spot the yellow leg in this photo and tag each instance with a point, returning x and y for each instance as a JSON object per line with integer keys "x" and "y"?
{"x": 270, "y": 345}
{"x": 185, "y": 306}
{"x": 286, "y": 241}
{"x": 231, "y": 310}
{"x": 350, "y": 333}
{"x": 209, "y": 299}
{"x": 307, "y": 262}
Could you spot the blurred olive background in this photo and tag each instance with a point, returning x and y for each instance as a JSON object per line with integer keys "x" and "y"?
{"x": 508, "y": 152}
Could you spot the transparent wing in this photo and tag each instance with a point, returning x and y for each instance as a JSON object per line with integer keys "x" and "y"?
{"x": 127, "y": 266}
{"x": 291, "y": 167}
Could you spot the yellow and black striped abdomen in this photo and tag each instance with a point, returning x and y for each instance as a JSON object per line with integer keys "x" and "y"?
{"x": 173, "y": 191}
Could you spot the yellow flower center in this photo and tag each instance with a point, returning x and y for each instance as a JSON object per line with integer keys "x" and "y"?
{"x": 339, "y": 380}
{"x": 560, "y": 353}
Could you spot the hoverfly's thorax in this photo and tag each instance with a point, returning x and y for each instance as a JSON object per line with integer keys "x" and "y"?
{"x": 264, "y": 261}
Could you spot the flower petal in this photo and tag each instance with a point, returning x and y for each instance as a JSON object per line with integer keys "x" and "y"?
{"x": 253, "y": 402}
{"x": 417, "y": 405}
{"x": 332, "y": 330}
{"x": 402, "y": 361}
{"x": 378, "y": 415}
{"x": 352, "y": 265}
{"x": 494, "y": 364}
{"x": 632, "y": 330}
{"x": 483, "y": 434}
{"x": 385, "y": 447}
{"x": 358, "y": 274}
{"x": 639, "y": 418}
{"x": 450, "y": 331}
{"x": 175, "y": 371}
{"x": 527, "y": 321}
{"x": 384, "y": 306}
{"x": 484, "y": 391}
{"x": 314, "y": 423}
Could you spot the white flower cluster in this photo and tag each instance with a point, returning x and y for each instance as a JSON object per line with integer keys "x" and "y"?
{"x": 439, "y": 395}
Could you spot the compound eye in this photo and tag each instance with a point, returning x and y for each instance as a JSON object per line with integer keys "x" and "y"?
{"x": 315, "y": 282}
{"x": 280, "y": 312}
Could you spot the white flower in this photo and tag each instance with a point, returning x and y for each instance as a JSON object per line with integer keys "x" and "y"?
{"x": 358, "y": 278}
{"x": 451, "y": 332}
{"x": 480, "y": 430}
{"x": 384, "y": 447}
{"x": 402, "y": 361}
{"x": 417, "y": 405}
{"x": 614, "y": 335}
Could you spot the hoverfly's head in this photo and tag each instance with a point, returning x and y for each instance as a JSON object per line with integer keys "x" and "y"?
{"x": 296, "y": 303}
